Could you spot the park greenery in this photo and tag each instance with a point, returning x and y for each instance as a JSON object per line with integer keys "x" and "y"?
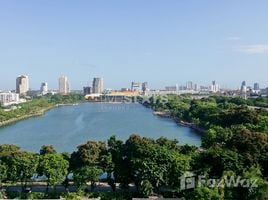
{"x": 235, "y": 143}
{"x": 37, "y": 106}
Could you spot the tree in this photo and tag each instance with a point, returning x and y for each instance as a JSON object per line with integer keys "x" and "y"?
{"x": 45, "y": 149}
{"x": 6, "y": 154}
{"x": 24, "y": 165}
{"x": 253, "y": 146}
{"x": 239, "y": 115}
{"x": 216, "y": 160}
{"x": 170, "y": 144}
{"x": 120, "y": 167}
{"x": 259, "y": 192}
{"x": 146, "y": 188}
{"x": 85, "y": 174}
{"x": 216, "y": 135}
{"x": 205, "y": 193}
{"x": 88, "y": 154}
{"x": 54, "y": 167}
{"x": 156, "y": 162}
{"x": 3, "y": 173}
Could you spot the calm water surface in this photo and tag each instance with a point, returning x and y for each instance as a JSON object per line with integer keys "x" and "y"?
{"x": 68, "y": 126}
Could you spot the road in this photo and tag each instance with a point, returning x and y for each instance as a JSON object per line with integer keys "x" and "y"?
{"x": 256, "y": 108}
{"x": 100, "y": 187}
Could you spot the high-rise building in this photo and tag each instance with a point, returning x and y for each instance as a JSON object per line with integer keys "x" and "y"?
{"x": 196, "y": 87}
{"x": 256, "y": 86}
{"x": 87, "y": 90}
{"x": 64, "y": 85}
{"x": 145, "y": 87}
{"x": 214, "y": 87}
{"x": 44, "y": 88}
{"x": 135, "y": 86}
{"x": 22, "y": 85}
{"x": 97, "y": 85}
{"x": 171, "y": 88}
{"x": 243, "y": 87}
{"x": 189, "y": 85}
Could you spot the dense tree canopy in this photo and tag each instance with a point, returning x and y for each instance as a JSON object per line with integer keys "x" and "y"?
{"x": 235, "y": 143}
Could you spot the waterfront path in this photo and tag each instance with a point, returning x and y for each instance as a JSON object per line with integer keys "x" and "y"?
{"x": 100, "y": 187}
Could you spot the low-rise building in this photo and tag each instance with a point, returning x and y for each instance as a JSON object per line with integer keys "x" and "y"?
{"x": 9, "y": 98}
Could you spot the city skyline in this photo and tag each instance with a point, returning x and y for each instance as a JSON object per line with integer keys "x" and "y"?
{"x": 164, "y": 43}
{"x": 129, "y": 85}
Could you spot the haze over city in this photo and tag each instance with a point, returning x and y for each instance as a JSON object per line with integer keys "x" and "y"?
{"x": 164, "y": 43}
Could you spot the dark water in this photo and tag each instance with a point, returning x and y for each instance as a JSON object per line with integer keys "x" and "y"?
{"x": 68, "y": 126}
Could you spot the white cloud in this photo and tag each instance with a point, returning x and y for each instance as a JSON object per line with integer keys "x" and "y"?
{"x": 233, "y": 38}
{"x": 254, "y": 49}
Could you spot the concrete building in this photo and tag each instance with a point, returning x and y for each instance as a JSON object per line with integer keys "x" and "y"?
{"x": 22, "y": 85}
{"x": 135, "y": 86}
{"x": 196, "y": 87}
{"x": 44, "y": 88}
{"x": 171, "y": 88}
{"x": 145, "y": 87}
{"x": 64, "y": 85}
{"x": 256, "y": 86}
{"x": 214, "y": 87}
{"x": 264, "y": 92}
{"x": 189, "y": 85}
{"x": 87, "y": 90}
{"x": 97, "y": 86}
{"x": 243, "y": 87}
{"x": 9, "y": 98}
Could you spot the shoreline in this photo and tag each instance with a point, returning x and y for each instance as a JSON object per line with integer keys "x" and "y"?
{"x": 178, "y": 121}
{"x": 21, "y": 118}
{"x": 38, "y": 113}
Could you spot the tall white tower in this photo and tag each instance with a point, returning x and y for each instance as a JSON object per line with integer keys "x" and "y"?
{"x": 97, "y": 86}
{"x": 64, "y": 85}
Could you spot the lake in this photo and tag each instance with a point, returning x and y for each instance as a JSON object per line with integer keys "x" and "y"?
{"x": 66, "y": 127}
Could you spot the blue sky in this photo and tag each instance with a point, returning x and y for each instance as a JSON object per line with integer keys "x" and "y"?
{"x": 162, "y": 42}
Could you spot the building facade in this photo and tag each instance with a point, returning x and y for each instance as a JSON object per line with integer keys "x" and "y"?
{"x": 189, "y": 85}
{"x": 87, "y": 90}
{"x": 64, "y": 85}
{"x": 22, "y": 85}
{"x": 145, "y": 87}
{"x": 214, "y": 87}
{"x": 44, "y": 88}
{"x": 243, "y": 87}
{"x": 8, "y": 98}
{"x": 135, "y": 86}
{"x": 97, "y": 86}
{"x": 256, "y": 86}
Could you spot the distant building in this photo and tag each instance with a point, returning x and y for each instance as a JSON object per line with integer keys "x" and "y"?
{"x": 144, "y": 87}
{"x": 87, "y": 90}
{"x": 125, "y": 89}
{"x": 22, "y": 85}
{"x": 189, "y": 85}
{"x": 135, "y": 86}
{"x": 171, "y": 88}
{"x": 256, "y": 86}
{"x": 196, "y": 87}
{"x": 8, "y": 98}
{"x": 214, "y": 87}
{"x": 64, "y": 85}
{"x": 204, "y": 88}
{"x": 44, "y": 88}
{"x": 97, "y": 86}
{"x": 182, "y": 87}
{"x": 243, "y": 87}
{"x": 264, "y": 92}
